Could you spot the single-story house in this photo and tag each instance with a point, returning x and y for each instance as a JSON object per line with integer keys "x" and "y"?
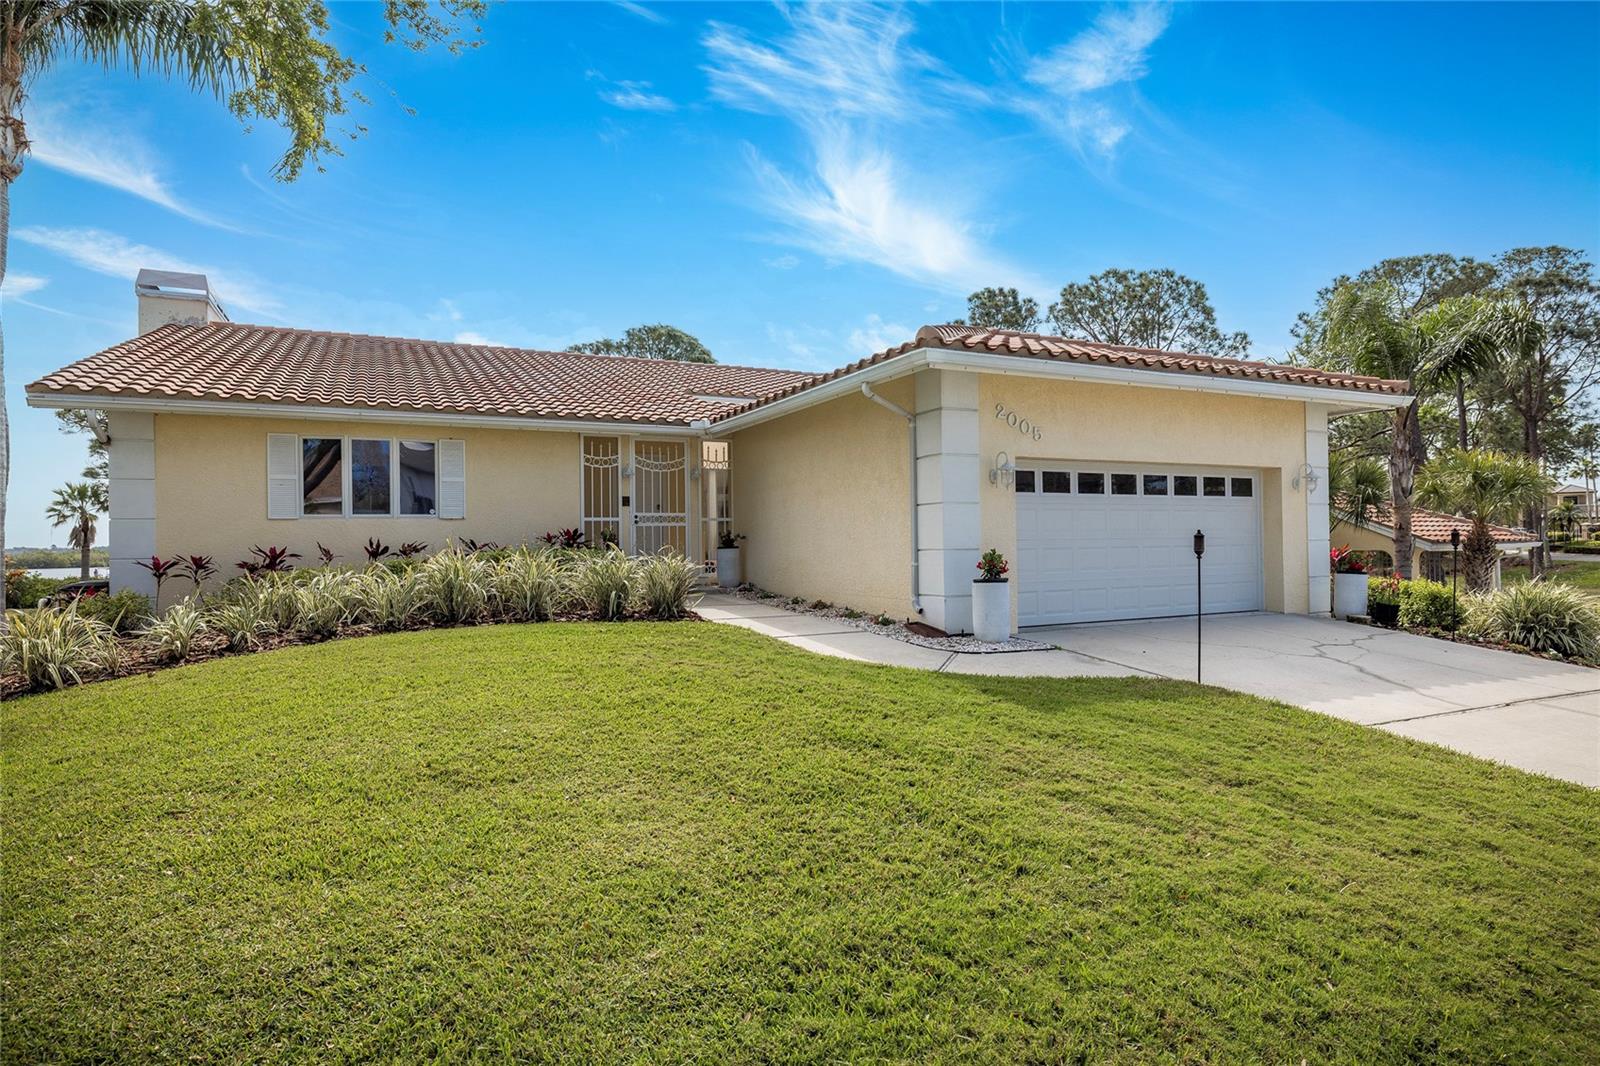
{"x": 1430, "y": 538}
{"x": 877, "y": 485}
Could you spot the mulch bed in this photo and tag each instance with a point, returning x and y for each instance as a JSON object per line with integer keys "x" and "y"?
{"x": 1492, "y": 645}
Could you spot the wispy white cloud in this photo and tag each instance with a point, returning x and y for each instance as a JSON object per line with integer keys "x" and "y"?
{"x": 847, "y": 76}
{"x": 116, "y": 256}
{"x": 783, "y": 262}
{"x": 116, "y": 157}
{"x": 1075, "y": 75}
{"x": 875, "y": 335}
{"x": 646, "y": 13}
{"x": 636, "y": 96}
{"x": 18, "y": 285}
{"x": 468, "y": 336}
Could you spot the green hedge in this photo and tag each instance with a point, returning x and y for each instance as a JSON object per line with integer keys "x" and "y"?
{"x": 1428, "y": 604}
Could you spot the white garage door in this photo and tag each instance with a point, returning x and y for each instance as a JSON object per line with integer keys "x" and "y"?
{"x": 1101, "y": 542}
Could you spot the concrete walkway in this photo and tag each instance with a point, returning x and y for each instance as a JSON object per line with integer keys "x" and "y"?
{"x": 1531, "y": 713}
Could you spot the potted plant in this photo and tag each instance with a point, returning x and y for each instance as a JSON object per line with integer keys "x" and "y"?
{"x": 1383, "y": 599}
{"x": 728, "y": 569}
{"x": 1349, "y": 583}
{"x": 991, "y": 598}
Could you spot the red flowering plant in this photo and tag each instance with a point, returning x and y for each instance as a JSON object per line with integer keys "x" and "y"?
{"x": 1345, "y": 561}
{"x": 160, "y": 569}
{"x": 993, "y": 566}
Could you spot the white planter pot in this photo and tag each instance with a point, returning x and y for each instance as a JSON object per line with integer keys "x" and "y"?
{"x": 728, "y": 575}
{"x": 1349, "y": 595}
{"x": 991, "y": 610}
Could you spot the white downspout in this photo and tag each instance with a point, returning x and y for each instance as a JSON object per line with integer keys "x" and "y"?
{"x": 911, "y": 426}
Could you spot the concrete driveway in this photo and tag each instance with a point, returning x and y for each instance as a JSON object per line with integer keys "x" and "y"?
{"x": 1527, "y": 712}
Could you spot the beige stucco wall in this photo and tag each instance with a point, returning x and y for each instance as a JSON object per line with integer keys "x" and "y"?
{"x": 1365, "y": 539}
{"x": 1120, "y": 423}
{"x": 211, "y": 489}
{"x": 823, "y": 498}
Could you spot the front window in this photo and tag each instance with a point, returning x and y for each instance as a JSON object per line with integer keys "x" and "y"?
{"x": 418, "y": 477}
{"x": 369, "y": 477}
{"x": 322, "y": 475}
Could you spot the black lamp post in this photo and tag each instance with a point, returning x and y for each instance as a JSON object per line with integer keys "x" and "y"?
{"x": 1199, "y": 612}
{"x": 1455, "y": 571}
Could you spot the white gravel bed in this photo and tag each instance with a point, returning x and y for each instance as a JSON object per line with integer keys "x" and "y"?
{"x": 896, "y": 630}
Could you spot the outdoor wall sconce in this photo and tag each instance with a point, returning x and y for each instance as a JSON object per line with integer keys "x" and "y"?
{"x": 694, "y": 473}
{"x": 1307, "y": 475}
{"x": 1004, "y": 474}
{"x": 627, "y": 472}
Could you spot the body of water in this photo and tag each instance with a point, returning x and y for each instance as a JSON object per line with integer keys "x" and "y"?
{"x": 68, "y": 571}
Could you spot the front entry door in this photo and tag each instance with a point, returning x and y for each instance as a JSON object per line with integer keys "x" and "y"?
{"x": 660, "y": 497}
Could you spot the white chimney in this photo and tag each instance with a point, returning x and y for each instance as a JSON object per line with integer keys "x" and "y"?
{"x": 171, "y": 296}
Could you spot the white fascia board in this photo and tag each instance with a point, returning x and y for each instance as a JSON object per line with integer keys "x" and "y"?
{"x": 1346, "y": 401}
{"x": 351, "y": 414}
{"x": 849, "y": 384}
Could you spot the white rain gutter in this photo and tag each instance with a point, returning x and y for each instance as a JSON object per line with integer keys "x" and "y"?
{"x": 911, "y": 434}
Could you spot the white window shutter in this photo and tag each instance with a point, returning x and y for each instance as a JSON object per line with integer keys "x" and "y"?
{"x": 452, "y": 479}
{"x": 283, "y": 475}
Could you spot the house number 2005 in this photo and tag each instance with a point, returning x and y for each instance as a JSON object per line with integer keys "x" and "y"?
{"x": 1017, "y": 422}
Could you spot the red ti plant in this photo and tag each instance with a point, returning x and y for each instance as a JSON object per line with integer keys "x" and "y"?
{"x": 325, "y": 554}
{"x": 1345, "y": 561}
{"x": 475, "y": 546}
{"x": 197, "y": 568}
{"x": 410, "y": 548}
{"x": 160, "y": 568}
{"x": 375, "y": 549}
{"x": 268, "y": 560}
{"x": 566, "y": 538}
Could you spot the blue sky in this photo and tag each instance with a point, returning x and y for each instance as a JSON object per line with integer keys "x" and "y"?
{"x": 799, "y": 187}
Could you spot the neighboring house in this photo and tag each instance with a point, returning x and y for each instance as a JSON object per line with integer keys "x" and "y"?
{"x": 1430, "y": 533}
{"x": 1090, "y": 466}
{"x": 1580, "y": 498}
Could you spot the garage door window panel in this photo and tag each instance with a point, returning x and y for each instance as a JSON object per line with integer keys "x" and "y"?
{"x": 1091, "y": 484}
{"x": 1057, "y": 481}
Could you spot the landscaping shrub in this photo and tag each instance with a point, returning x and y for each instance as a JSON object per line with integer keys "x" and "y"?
{"x": 666, "y": 585}
{"x": 457, "y": 586}
{"x": 1477, "y": 617}
{"x": 238, "y": 619}
{"x": 277, "y": 602}
{"x": 1428, "y": 604}
{"x": 56, "y": 646}
{"x": 125, "y": 610}
{"x": 24, "y": 589}
{"x": 173, "y": 633}
{"x": 604, "y": 584}
{"x": 1545, "y": 617}
{"x": 388, "y": 599}
{"x": 527, "y": 586}
{"x": 322, "y": 604}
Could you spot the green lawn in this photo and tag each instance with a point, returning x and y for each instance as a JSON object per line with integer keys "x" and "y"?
{"x": 591, "y": 842}
{"x": 1584, "y": 576}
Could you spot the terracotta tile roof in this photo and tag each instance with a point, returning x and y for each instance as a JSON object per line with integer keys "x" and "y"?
{"x": 261, "y": 364}
{"x": 268, "y": 365}
{"x": 1064, "y": 349}
{"x": 1434, "y": 527}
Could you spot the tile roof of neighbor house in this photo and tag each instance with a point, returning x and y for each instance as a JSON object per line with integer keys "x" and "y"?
{"x": 260, "y": 364}
{"x": 1434, "y": 527}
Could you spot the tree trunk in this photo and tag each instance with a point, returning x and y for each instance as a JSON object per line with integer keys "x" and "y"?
{"x": 1478, "y": 554}
{"x": 85, "y": 537}
{"x": 1402, "y": 483}
{"x": 1461, "y": 414}
{"x": 13, "y": 144}
{"x": 1533, "y": 518}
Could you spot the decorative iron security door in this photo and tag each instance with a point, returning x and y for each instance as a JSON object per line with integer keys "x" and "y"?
{"x": 660, "y": 497}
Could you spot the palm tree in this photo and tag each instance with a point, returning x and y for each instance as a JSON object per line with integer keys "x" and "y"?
{"x": 78, "y": 506}
{"x": 1589, "y": 470}
{"x": 1357, "y": 486}
{"x": 1484, "y": 487}
{"x": 1565, "y": 516}
{"x": 1370, "y": 328}
{"x": 270, "y": 61}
